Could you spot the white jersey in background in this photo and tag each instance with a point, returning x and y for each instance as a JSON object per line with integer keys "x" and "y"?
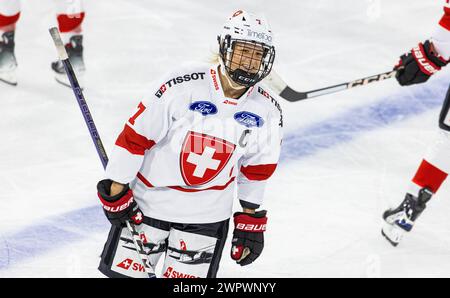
{"x": 441, "y": 36}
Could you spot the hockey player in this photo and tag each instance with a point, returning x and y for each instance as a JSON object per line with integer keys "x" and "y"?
{"x": 417, "y": 67}
{"x": 70, "y": 15}
{"x": 204, "y": 132}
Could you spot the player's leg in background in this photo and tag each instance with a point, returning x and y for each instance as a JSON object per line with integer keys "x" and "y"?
{"x": 70, "y": 16}
{"x": 119, "y": 257}
{"x": 9, "y": 15}
{"x": 430, "y": 175}
{"x": 195, "y": 250}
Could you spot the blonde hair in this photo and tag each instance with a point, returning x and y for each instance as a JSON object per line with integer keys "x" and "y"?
{"x": 214, "y": 58}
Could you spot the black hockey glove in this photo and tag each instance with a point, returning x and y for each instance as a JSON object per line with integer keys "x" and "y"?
{"x": 419, "y": 64}
{"x": 248, "y": 236}
{"x": 121, "y": 207}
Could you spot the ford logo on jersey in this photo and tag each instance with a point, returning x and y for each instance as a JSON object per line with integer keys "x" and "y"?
{"x": 248, "y": 119}
{"x": 203, "y": 107}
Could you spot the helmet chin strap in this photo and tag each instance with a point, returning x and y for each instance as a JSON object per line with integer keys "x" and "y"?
{"x": 230, "y": 81}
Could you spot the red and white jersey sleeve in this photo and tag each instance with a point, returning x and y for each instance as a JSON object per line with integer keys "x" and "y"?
{"x": 9, "y": 13}
{"x": 441, "y": 36}
{"x": 258, "y": 165}
{"x": 147, "y": 125}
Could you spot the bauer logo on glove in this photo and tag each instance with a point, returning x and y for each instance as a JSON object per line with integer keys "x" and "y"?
{"x": 248, "y": 236}
{"x": 419, "y": 64}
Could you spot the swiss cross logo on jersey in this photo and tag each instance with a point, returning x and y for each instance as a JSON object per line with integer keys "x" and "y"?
{"x": 203, "y": 157}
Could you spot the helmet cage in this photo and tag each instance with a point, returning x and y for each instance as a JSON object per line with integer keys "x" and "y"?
{"x": 236, "y": 72}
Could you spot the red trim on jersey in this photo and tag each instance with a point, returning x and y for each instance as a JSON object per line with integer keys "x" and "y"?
{"x": 9, "y": 20}
{"x": 445, "y": 20}
{"x": 145, "y": 181}
{"x": 217, "y": 187}
{"x": 70, "y": 22}
{"x": 231, "y": 171}
{"x": 133, "y": 142}
{"x": 429, "y": 176}
{"x": 258, "y": 172}
{"x": 179, "y": 188}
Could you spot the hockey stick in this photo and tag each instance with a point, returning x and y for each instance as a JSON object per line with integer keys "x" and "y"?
{"x": 62, "y": 53}
{"x": 278, "y": 85}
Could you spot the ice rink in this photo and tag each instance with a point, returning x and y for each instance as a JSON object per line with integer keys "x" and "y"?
{"x": 346, "y": 156}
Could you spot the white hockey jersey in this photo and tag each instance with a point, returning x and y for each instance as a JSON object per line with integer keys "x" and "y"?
{"x": 441, "y": 36}
{"x": 187, "y": 149}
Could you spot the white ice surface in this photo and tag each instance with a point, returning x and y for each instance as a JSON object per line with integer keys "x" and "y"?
{"x": 324, "y": 208}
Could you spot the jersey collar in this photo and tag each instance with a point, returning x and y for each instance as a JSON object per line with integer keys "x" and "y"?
{"x": 217, "y": 89}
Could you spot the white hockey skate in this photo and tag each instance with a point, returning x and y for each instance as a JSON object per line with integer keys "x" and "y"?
{"x": 399, "y": 221}
{"x": 8, "y": 63}
{"x": 75, "y": 52}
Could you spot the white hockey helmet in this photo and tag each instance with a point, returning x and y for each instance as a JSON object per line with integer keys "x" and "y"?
{"x": 255, "y": 38}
